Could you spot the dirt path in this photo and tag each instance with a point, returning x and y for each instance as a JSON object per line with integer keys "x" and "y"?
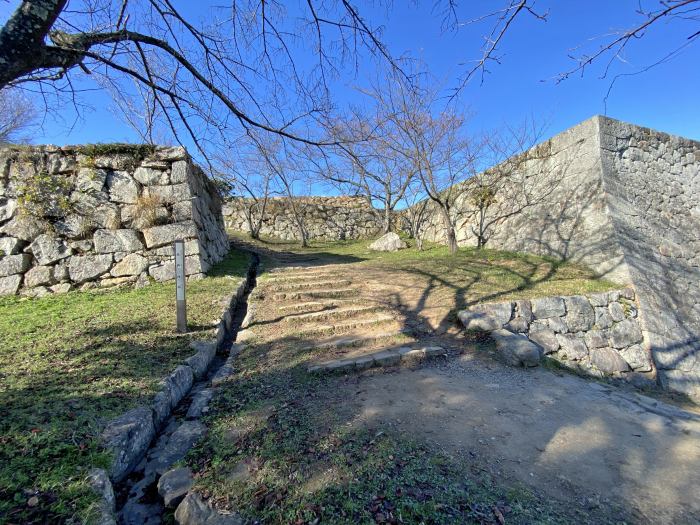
{"x": 570, "y": 439}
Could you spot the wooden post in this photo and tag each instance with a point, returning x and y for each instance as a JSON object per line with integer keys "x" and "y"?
{"x": 180, "y": 286}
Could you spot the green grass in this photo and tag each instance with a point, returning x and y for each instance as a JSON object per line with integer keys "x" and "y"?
{"x": 71, "y": 362}
{"x": 470, "y": 275}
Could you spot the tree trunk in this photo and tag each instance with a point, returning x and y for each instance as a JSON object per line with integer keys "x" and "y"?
{"x": 450, "y": 234}
{"x": 387, "y": 220}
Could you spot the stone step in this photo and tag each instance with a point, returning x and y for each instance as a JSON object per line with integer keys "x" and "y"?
{"x": 329, "y": 313}
{"x": 294, "y": 277}
{"x": 401, "y": 355}
{"x": 347, "y": 326}
{"x": 315, "y": 294}
{"x": 304, "y": 269}
{"x": 293, "y": 287}
{"x": 351, "y": 341}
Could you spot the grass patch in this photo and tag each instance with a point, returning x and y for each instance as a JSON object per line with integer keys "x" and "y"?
{"x": 71, "y": 362}
{"x": 470, "y": 275}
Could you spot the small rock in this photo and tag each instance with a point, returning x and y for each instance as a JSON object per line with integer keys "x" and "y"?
{"x": 616, "y": 311}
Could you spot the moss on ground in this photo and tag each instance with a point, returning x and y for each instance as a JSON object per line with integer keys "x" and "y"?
{"x": 69, "y": 363}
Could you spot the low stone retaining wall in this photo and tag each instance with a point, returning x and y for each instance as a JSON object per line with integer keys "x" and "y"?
{"x": 325, "y": 218}
{"x": 103, "y": 216}
{"x": 129, "y": 436}
{"x": 596, "y": 334}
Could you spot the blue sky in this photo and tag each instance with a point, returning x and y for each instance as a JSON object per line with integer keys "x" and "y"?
{"x": 666, "y": 98}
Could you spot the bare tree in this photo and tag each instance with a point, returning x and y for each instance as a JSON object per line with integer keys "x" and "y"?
{"x": 367, "y": 163}
{"x": 433, "y": 142}
{"x": 244, "y": 67}
{"x": 17, "y": 116}
{"x": 249, "y": 173}
{"x": 684, "y": 15}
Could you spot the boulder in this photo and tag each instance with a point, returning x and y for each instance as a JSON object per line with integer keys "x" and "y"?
{"x": 195, "y": 511}
{"x": 546, "y": 307}
{"x": 516, "y": 349}
{"x": 123, "y": 240}
{"x": 200, "y": 403}
{"x": 47, "y": 249}
{"x": 87, "y": 267}
{"x": 15, "y": 264}
{"x": 580, "y": 315}
{"x": 10, "y": 285}
{"x": 168, "y": 233}
{"x": 174, "y": 485}
{"x": 608, "y": 360}
{"x": 132, "y": 264}
{"x": 486, "y": 317}
{"x": 389, "y": 242}
{"x": 128, "y": 438}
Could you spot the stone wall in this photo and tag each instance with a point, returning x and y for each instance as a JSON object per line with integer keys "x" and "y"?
{"x": 101, "y": 216}
{"x": 652, "y": 186}
{"x": 623, "y": 200}
{"x": 325, "y": 218}
{"x": 596, "y": 334}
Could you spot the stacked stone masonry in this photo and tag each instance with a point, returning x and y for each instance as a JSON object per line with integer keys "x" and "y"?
{"x": 623, "y": 200}
{"x": 596, "y": 334}
{"x": 325, "y": 218}
{"x": 85, "y": 217}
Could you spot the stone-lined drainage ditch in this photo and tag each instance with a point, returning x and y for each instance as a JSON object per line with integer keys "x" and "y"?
{"x": 147, "y": 441}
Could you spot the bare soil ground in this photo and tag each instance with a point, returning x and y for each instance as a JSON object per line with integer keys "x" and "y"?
{"x": 582, "y": 450}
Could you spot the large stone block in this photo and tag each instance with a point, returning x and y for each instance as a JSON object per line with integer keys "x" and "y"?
{"x": 132, "y": 264}
{"x": 580, "y": 315}
{"x": 110, "y": 241}
{"x": 516, "y": 349}
{"x": 48, "y": 249}
{"x": 572, "y": 347}
{"x": 128, "y": 438}
{"x": 15, "y": 264}
{"x": 608, "y": 360}
{"x": 625, "y": 333}
{"x": 88, "y": 267}
{"x": 7, "y": 208}
{"x": 168, "y": 233}
{"x": 24, "y": 228}
{"x": 39, "y": 276}
{"x": 10, "y": 285}
{"x": 122, "y": 188}
{"x": 546, "y": 307}
{"x": 546, "y": 338}
{"x": 489, "y": 316}
{"x": 10, "y": 246}
{"x": 91, "y": 180}
{"x": 638, "y": 358}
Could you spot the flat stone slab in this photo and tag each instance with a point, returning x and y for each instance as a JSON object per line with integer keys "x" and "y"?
{"x": 401, "y": 355}
{"x": 516, "y": 349}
